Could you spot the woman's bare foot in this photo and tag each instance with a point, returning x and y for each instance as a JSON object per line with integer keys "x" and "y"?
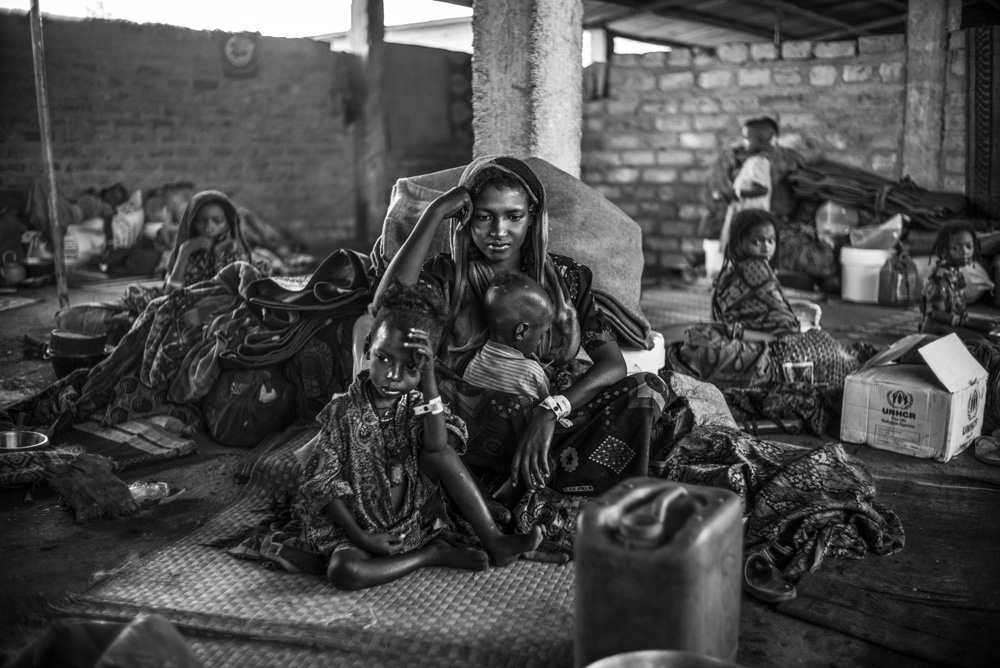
{"x": 442, "y": 554}
{"x": 505, "y": 549}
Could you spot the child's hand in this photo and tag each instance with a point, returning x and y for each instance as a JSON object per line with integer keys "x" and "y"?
{"x": 419, "y": 342}
{"x": 456, "y": 203}
{"x": 382, "y": 544}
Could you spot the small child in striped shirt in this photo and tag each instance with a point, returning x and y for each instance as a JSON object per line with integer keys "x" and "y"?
{"x": 518, "y": 313}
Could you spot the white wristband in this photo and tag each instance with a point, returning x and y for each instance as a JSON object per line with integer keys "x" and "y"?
{"x": 434, "y": 406}
{"x": 558, "y": 404}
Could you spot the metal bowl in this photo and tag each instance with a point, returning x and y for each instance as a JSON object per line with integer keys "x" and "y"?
{"x": 22, "y": 441}
{"x": 657, "y": 658}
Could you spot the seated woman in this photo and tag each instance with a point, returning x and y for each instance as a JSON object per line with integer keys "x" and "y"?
{"x": 209, "y": 238}
{"x": 756, "y": 333}
{"x": 501, "y": 225}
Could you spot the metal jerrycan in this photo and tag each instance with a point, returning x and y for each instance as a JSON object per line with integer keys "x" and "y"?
{"x": 658, "y": 568}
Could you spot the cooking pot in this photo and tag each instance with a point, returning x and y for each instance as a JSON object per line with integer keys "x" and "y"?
{"x": 36, "y": 267}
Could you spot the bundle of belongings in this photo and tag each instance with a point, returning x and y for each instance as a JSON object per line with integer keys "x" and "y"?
{"x": 876, "y": 201}
{"x": 116, "y": 231}
{"x": 241, "y": 354}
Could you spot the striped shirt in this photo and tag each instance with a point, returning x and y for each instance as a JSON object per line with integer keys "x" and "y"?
{"x": 500, "y": 367}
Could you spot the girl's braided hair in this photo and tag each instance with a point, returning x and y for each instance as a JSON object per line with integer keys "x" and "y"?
{"x": 944, "y": 236}
{"x": 418, "y": 306}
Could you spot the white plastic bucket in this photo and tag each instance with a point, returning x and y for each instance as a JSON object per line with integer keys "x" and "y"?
{"x": 859, "y": 269}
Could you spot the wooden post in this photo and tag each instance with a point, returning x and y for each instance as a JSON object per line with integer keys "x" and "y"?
{"x": 45, "y": 130}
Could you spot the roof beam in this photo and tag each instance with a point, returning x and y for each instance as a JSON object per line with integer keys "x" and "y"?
{"x": 652, "y": 40}
{"x": 898, "y": 5}
{"x": 792, "y": 8}
{"x": 632, "y": 10}
{"x": 718, "y": 22}
{"x": 850, "y": 32}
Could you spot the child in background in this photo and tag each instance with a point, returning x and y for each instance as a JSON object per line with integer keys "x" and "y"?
{"x": 748, "y": 298}
{"x": 752, "y": 183}
{"x": 518, "y": 313}
{"x": 383, "y": 448}
{"x": 944, "y": 302}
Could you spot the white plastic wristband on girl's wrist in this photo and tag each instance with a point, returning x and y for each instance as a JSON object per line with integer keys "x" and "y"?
{"x": 434, "y": 406}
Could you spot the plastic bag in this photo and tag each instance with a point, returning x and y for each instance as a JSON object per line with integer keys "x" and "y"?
{"x": 244, "y": 406}
{"x": 834, "y": 221}
{"x": 898, "y": 282}
{"x": 878, "y": 237}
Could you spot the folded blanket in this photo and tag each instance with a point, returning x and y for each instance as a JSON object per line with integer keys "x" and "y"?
{"x": 340, "y": 284}
{"x": 582, "y": 225}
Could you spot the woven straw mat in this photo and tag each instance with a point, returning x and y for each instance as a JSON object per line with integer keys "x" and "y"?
{"x": 515, "y": 616}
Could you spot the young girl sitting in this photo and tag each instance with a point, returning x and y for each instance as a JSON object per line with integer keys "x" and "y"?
{"x": 747, "y": 296}
{"x": 384, "y": 446}
{"x": 944, "y": 299}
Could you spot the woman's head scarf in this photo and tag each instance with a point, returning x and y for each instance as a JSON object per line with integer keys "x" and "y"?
{"x": 473, "y": 274}
{"x": 185, "y": 230}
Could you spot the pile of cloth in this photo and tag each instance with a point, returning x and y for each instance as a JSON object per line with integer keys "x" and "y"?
{"x": 877, "y": 195}
{"x": 119, "y": 231}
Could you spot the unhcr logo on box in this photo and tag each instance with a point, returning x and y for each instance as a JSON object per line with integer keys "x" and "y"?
{"x": 972, "y": 410}
{"x": 899, "y": 404}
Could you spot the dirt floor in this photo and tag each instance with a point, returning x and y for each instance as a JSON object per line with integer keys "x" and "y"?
{"x": 45, "y": 555}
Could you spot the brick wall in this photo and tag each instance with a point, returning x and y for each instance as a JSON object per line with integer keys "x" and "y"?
{"x": 151, "y": 104}
{"x": 648, "y": 145}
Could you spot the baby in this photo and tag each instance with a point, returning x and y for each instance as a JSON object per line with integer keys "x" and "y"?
{"x": 518, "y": 313}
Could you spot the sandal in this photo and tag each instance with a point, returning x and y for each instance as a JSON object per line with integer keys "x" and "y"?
{"x": 987, "y": 449}
{"x": 764, "y": 582}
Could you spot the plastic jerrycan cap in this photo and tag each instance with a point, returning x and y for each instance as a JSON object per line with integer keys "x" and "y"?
{"x": 644, "y": 524}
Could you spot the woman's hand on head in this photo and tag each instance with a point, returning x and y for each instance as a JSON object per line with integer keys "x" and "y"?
{"x": 456, "y": 203}
{"x": 531, "y": 460}
{"x": 381, "y": 544}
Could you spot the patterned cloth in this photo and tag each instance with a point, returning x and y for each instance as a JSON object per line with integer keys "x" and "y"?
{"x": 608, "y": 439}
{"x": 801, "y": 505}
{"x": 18, "y": 469}
{"x": 354, "y": 460}
{"x": 801, "y": 251}
{"x": 499, "y": 367}
{"x": 943, "y": 296}
{"x": 747, "y": 294}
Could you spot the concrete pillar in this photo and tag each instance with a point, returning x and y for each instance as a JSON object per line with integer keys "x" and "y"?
{"x": 527, "y": 74}
{"x": 366, "y": 41}
{"x": 926, "y": 55}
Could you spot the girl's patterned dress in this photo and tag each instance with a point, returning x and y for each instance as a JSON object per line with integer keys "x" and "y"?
{"x": 358, "y": 458}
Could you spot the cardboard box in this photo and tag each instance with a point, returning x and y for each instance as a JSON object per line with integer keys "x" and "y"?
{"x": 933, "y": 409}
